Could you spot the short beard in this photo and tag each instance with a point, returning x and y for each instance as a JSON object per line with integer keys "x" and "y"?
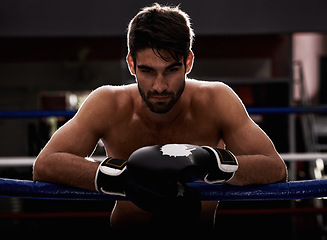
{"x": 161, "y": 107}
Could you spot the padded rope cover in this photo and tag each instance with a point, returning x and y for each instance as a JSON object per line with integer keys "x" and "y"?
{"x": 251, "y": 110}
{"x": 223, "y": 192}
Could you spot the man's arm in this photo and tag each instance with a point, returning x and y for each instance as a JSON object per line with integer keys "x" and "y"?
{"x": 259, "y": 162}
{"x": 63, "y": 159}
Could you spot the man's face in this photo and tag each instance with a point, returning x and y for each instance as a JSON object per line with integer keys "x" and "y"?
{"x": 160, "y": 82}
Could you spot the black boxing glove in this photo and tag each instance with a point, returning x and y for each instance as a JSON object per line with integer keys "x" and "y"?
{"x": 157, "y": 177}
{"x": 111, "y": 177}
{"x": 158, "y": 171}
{"x": 183, "y": 162}
{"x": 224, "y": 165}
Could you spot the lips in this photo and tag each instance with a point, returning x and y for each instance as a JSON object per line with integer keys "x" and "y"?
{"x": 160, "y": 98}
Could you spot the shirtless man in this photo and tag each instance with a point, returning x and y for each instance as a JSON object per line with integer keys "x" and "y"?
{"x": 163, "y": 106}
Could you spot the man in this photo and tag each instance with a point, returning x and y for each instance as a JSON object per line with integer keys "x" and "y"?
{"x": 162, "y": 107}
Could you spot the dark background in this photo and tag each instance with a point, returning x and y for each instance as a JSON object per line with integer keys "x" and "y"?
{"x": 51, "y": 48}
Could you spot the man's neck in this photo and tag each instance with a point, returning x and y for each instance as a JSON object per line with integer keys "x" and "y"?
{"x": 163, "y": 120}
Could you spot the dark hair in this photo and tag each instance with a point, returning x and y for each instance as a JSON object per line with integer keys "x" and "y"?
{"x": 161, "y": 28}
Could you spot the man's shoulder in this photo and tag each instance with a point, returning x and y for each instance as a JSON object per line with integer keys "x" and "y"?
{"x": 218, "y": 96}
{"x": 110, "y": 98}
{"x": 114, "y": 94}
{"x": 109, "y": 90}
{"x": 207, "y": 85}
{"x": 208, "y": 89}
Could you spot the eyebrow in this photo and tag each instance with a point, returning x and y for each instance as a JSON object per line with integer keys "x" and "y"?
{"x": 175, "y": 64}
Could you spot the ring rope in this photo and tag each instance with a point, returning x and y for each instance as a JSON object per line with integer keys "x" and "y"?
{"x": 251, "y": 110}
{"x": 6, "y": 162}
{"x": 222, "y": 192}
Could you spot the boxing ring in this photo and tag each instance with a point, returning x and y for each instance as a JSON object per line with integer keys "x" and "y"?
{"x": 292, "y": 190}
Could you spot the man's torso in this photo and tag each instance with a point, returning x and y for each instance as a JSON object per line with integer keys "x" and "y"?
{"x": 131, "y": 129}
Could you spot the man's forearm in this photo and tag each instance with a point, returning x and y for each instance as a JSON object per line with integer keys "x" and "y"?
{"x": 65, "y": 168}
{"x": 259, "y": 169}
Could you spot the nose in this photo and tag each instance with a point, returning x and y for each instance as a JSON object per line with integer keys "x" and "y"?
{"x": 160, "y": 84}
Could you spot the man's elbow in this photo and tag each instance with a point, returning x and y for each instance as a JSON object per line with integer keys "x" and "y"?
{"x": 281, "y": 172}
{"x": 39, "y": 169}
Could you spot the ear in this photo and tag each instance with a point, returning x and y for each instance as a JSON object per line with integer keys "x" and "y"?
{"x": 130, "y": 63}
{"x": 189, "y": 62}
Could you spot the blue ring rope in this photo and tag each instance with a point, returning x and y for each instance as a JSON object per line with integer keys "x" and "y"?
{"x": 251, "y": 110}
{"x": 36, "y": 114}
{"x": 287, "y": 110}
{"x": 223, "y": 192}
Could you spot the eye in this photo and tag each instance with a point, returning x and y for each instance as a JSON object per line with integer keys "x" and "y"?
{"x": 146, "y": 70}
{"x": 175, "y": 69}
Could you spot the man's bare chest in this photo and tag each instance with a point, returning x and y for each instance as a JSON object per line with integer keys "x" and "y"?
{"x": 129, "y": 136}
